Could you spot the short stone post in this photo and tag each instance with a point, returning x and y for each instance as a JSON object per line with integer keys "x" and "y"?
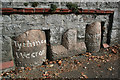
{"x": 69, "y": 39}
{"x": 29, "y": 48}
{"x": 93, "y": 37}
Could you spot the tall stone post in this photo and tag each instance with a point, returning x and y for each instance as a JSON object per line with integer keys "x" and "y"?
{"x": 93, "y": 37}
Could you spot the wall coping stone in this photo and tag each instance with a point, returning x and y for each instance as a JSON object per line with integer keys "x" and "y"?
{"x": 47, "y": 10}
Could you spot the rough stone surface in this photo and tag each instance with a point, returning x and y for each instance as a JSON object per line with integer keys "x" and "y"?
{"x": 29, "y": 48}
{"x": 58, "y": 52}
{"x": 16, "y": 24}
{"x": 6, "y": 49}
{"x": 80, "y": 47}
{"x": 69, "y": 39}
{"x": 93, "y": 37}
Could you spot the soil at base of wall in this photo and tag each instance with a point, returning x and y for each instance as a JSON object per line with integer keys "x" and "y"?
{"x": 103, "y": 64}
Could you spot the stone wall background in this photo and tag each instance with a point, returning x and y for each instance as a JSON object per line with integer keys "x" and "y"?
{"x": 15, "y": 24}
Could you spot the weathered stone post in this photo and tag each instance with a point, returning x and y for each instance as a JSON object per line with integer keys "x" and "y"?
{"x": 69, "y": 39}
{"x": 93, "y": 37}
{"x": 29, "y": 48}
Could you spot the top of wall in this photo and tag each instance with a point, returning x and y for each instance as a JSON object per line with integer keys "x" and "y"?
{"x": 60, "y": 0}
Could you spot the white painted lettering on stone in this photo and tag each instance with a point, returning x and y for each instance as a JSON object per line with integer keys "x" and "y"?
{"x": 29, "y": 44}
{"x": 91, "y": 35}
{"x": 33, "y": 55}
{"x": 19, "y": 46}
{"x": 22, "y": 55}
{"x": 37, "y": 43}
{"x": 15, "y": 43}
{"x": 44, "y": 41}
{"x": 17, "y": 55}
{"x": 28, "y": 55}
{"x": 33, "y": 43}
{"x": 23, "y": 44}
{"x": 41, "y": 41}
{"x": 41, "y": 52}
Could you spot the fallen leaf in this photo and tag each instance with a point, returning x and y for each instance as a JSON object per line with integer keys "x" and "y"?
{"x": 22, "y": 68}
{"x": 106, "y": 45}
{"x": 110, "y": 55}
{"x": 43, "y": 74}
{"x": 48, "y": 77}
{"x": 85, "y": 76}
{"x": 20, "y": 71}
{"x": 59, "y": 62}
{"x": 107, "y": 49}
{"x": 110, "y": 69}
{"x": 54, "y": 62}
{"x": 107, "y": 60}
{"x": 2, "y": 74}
{"x": 50, "y": 62}
{"x": 114, "y": 51}
{"x": 56, "y": 74}
{"x": 42, "y": 66}
{"x": 45, "y": 63}
{"x": 28, "y": 68}
{"x": 26, "y": 73}
{"x": 99, "y": 65}
{"x": 49, "y": 72}
{"x": 46, "y": 74}
{"x": 87, "y": 53}
{"x": 51, "y": 65}
{"x": 75, "y": 61}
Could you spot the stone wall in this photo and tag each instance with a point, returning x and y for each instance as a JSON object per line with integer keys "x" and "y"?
{"x": 15, "y": 24}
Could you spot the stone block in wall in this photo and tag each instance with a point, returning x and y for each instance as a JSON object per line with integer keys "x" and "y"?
{"x": 1, "y": 18}
{"x": 104, "y": 18}
{"x": 6, "y": 49}
{"x": 6, "y": 19}
{"x": 1, "y": 42}
{"x": 115, "y": 37}
{"x": 7, "y": 29}
{"x": 88, "y": 18}
{"x": 116, "y": 24}
{"x": 111, "y": 5}
{"x": 18, "y": 4}
{"x": 53, "y": 22}
{"x": 55, "y": 37}
{"x": 69, "y": 39}
{"x": 58, "y": 52}
{"x": 54, "y": 19}
{"x": 1, "y": 28}
{"x": 29, "y": 20}
{"x": 81, "y": 31}
{"x": 7, "y": 4}
{"x": 70, "y": 21}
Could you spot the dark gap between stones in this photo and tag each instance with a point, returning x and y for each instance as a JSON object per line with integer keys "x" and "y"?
{"x": 102, "y": 32}
{"x": 48, "y": 52}
{"x": 109, "y": 28}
